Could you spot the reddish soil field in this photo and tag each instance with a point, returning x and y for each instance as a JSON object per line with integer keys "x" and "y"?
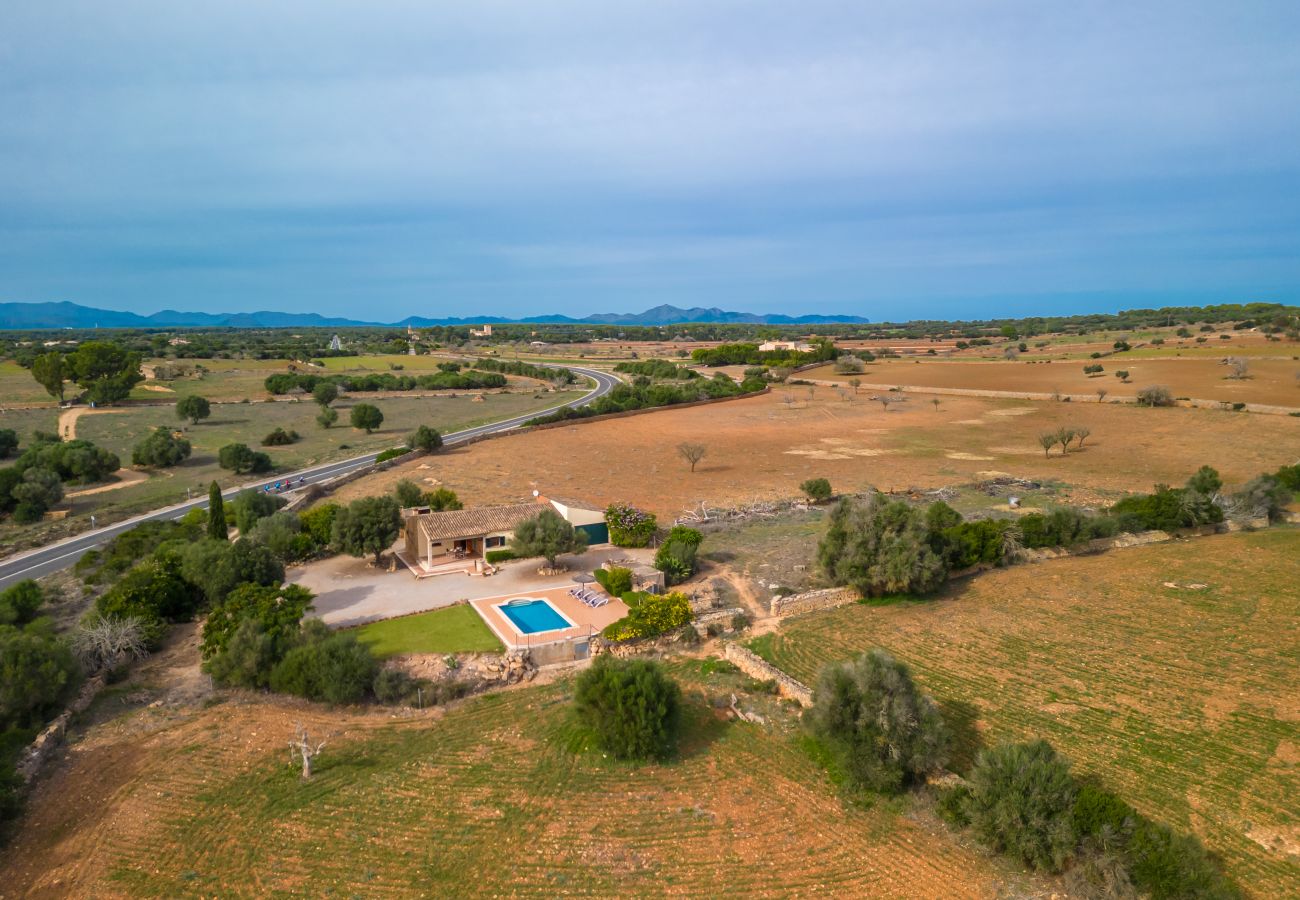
{"x": 764, "y": 447}
{"x": 1271, "y": 381}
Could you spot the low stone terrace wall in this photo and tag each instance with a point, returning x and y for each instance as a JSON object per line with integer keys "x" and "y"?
{"x": 755, "y": 666}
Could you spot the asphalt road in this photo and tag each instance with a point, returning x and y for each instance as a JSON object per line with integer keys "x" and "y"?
{"x": 60, "y": 555}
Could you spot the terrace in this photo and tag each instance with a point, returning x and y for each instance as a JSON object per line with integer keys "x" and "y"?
{"x": 547, "y": 620}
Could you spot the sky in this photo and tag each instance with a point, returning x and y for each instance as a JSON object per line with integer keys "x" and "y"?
{"x": 895, "y": 160}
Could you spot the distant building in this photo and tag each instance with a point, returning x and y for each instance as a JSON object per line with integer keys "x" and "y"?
{"x": 795, "y": 346}
{"x": 178, "y": 342}
{"x": 335, "y": 343}
{"x": 484, "y": 331}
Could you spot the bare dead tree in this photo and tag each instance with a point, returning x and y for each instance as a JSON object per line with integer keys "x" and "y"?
{"x": 1081, "y": 432}
{"x": 302, "y": 748}
{"x": 692, "y": 453}
{"x": 1238, "y": 366}
{"x": 1101, "y": 395}
{"x": 108, "y": 642}
{"x": 935, "y": 401}
{"x": 888, "y": 400}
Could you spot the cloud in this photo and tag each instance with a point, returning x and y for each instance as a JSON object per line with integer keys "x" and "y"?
{"x": 527, "y": 157}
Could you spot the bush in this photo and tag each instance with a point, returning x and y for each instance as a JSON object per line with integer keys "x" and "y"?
{"x": 1264, "y": 495}
{"x": 248, "y": 658}
{"x": 239, "y": 459}
{"x": 395, "y": 687}
{"x": 629, "y": 526}
{"x": 972, "y": 543}
{"x": 160, "y": 450}
{"x": 280, "y": 438}
{"x": 880, "y": 546}
{"x": 218, "y": 568}
{"x": 633, "y": 708}
{"x": 1022, "y": 803}
{"x": 1171, "y": 866}
{"x": 885, "y": 733}
{"x": 1063, "y": 527}
{"x": 951, "y": 805}
{"x": 318, "y": 522}
{"x": 495, "y": 557}
{"x": 424, "y": 438}
{"x": 19, "y": 603}
{"x": 616, "y": 580}
{"x": 391, "y": 453}
{"x": 8, "y": 442}
{"x": 817, "y": 489}
{"x": 330, "y": 667}
{"x": 650, "y": 615}
{"x": 282, "y": 534}
{"x": 36, "y": 671}
{"x": 76, "y": 461}
{"x": 277, "y": 612}
{"x": 408, "y": 493}
{"x": 327, "y": 417}
{"x": 39, "y": 489}
{"x": 440, "y": 499}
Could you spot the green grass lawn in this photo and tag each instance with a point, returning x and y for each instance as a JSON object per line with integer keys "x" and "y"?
{"x": 454, "y": 629}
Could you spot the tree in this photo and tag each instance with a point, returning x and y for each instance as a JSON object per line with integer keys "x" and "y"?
{"x": 1155, "y": 395}
{"x": 8, "y": 442}
{"x": 817, "y": 489}
{"x": 1063, "y": 437}
{"x": 1022, "y": 801}
{"x": 219, "y": 568}
{"x": 325, "y": 393}
{"x": 408, "y": 493}
{"x": 880, "y": 546}
{"x": 1206, "y": 481}
{"x": 676, "y": 555}
{"x": 302, "y": 748}
{"x": 888, "y": 400}
{"x": 50, "y": 371}
{"x": 855, "y": 383}
{"x": 36, "y": 669}
{"x": 193, "y": 408}
{"x": 546, "y": 535}
{"x": 368, "y": 525}
{"x": 106, "y": 642}
{"x": 692, "y": 453}
{"x": 278, "y": 437}
{"x": 216, "y": 513}
{"x": 239, "y": 458}
{"x": 39, "y": 490}
{"x": 366, "y": 417}
{"x": 160, "y": 450}
{"x": 936, "y": 401}
{"x": 105, "y": 370}
{"x": 153, "y": 592}
{"x": 885, "y": 731}
{"x": 424, "y": 438}
{"x": 327, "y": 417}
{"x": 1101, "y": 395}
{"x": 632, "y": 707}
{"x": 249, "y": 506}
{"x": 1047, "y": 440}
{"x": 1122, "y": 375}
{"x": 1081, "y": 432}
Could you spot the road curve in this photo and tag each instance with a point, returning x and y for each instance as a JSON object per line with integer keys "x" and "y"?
{"x": 60, "y": 555}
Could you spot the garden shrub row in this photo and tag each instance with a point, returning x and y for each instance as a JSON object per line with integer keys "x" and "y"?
{"x": 649, "y": 396}
{"x": 287, "y": 382}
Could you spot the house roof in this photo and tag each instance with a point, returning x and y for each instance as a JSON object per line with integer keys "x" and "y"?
{"x": 478, "y": 520}
{"x": 571, "y": 503}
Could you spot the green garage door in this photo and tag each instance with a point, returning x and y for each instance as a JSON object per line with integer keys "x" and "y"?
{"x": 596, "y": 534}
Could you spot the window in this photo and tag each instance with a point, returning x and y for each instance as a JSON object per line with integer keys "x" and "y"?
{"x": 495, "y": 540}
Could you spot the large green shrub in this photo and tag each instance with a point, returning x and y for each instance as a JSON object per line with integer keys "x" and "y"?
{"x": 155, "y": 592}
{"x": 160, "y": 450}
{"x": 616, "y": 580}
{"x": 330, "y": 666}
{"x": 240, "y": 459}
{"x": 629, "y": 526}
{"x": 249, "y": 506}
{"x": 36, "y": 671}
{"x": 1022, "y": 803}
{"x": 319, "y": 522}
{"x": 676, "y": 555}
{"x": 277, "y": 610}
{"x": 817, "y": 489}
{"x": 885, "y": 732}
{"x": 879, "y": 546}
{"x": 650, "y": 615}
{"x": 633, "y": 708}
{"x": 20, "y": 603}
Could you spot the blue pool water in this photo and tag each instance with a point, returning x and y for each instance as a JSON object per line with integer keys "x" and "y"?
{"x": 534, "y": 616}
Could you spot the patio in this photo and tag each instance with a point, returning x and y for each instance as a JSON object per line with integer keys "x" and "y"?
{"x": 586, "y": 621}
{"x": 351, "y": 592}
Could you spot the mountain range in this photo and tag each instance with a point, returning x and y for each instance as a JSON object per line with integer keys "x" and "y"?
{"x": 72, "y": 315}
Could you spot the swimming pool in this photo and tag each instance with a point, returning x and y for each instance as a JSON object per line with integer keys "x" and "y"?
{"x": 533, "y": 616}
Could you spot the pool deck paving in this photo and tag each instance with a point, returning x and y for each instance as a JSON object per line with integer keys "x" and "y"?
{"x": 587, "y": 620}
{"x": 350, "y": 591}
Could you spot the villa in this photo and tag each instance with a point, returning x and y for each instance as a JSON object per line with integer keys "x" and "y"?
{"x": 793, "y": 346}
{"x": 458, "y": 540}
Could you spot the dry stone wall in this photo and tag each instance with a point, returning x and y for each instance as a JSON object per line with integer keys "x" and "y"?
{"x": 755, "y": 666}
{"x": 813, "y": 601}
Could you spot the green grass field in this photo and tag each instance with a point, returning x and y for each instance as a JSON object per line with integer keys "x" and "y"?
{"x": 1181, "y": 698}
{"x": 454, "y": 629}
{"x": 502, "y": 796}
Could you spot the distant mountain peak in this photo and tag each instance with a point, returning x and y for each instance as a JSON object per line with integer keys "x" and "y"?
{"x": 64, "y": 314}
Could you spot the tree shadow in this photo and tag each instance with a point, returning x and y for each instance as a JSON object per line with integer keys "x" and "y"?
{"x": 962, "y": 719}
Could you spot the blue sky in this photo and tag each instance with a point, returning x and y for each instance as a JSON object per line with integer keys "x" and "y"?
{"x": 892, "y": 160}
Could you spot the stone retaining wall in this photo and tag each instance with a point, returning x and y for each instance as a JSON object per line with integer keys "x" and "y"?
{"x": 725, "y": 616}
{"x": 813, "y": 601}
{"x": 39, "y": 751}
{"x": 755, "y": 666}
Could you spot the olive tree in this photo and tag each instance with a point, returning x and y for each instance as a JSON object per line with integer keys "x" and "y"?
{"x": 365, "y": 526}
{"x": 885, "y": 731}
{"x": 160, "y": 450}
{"x": 366, "y": 417}
{"x": 879, "y": 546}
{"x": 193, "y": 408}
{"x": 546, "y": 535}
{"x": 1021, "y": 803}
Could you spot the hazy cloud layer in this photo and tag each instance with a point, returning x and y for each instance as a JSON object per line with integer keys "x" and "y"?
{"x": 884, "y": 159}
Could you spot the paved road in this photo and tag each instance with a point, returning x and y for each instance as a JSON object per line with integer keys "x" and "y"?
{"x": 51, "y": 558}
